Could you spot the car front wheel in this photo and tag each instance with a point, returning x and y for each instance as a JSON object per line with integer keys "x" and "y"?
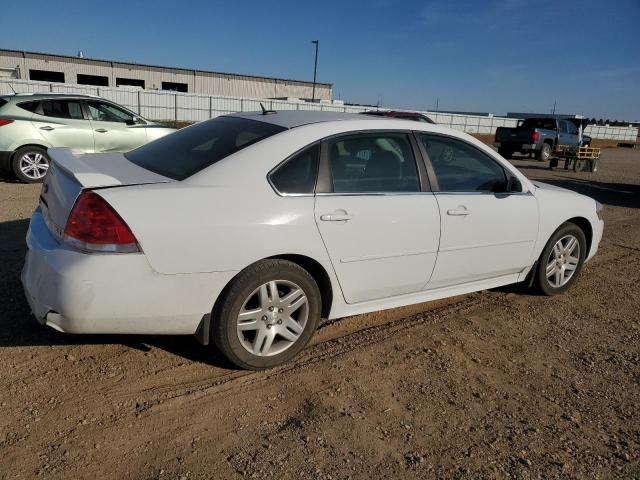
{"x": 267, "y": 315}
{"x": 561, "y": 260}
{"x": 30, "y": 164}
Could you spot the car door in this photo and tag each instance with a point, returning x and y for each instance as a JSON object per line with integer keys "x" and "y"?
{"x": 378, "y": 221}
{"x": 488, "y": 229}
{"x": 115, "y": 129}
{"x": 573, "y": 137}
{"x": 564, "y": 137}
{"x": 62, "y": 124}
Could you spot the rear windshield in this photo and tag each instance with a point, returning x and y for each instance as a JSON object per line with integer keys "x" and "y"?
{"x": 546, "y": 123}
{"x": 195, "y": 148}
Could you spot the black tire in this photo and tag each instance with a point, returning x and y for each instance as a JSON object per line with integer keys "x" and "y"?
{"x": 544, "y": 153}
{"x": 34, "y": 152}
{"x": 541, "y": 282}
{"x": 224, "y": 333}
{"x": 505, "y": 153}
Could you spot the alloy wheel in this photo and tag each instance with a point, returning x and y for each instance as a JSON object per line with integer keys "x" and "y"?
{"x": 563, "y": 261}
{"x": 34, "y": 165}
{"x": 272, "y": 318}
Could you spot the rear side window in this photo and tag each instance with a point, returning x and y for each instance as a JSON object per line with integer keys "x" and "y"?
{"x": 3, "y": 102}
{"x": 62, "y": 109}
{"x": 381, "y": 162}
{"x": 298, "y": 174}
{"x": 195, "y": 148}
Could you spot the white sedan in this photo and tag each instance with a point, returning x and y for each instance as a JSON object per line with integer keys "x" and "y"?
{"x": 248, "y": 228}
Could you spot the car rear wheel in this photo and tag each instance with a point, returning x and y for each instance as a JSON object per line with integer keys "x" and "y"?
{"x": 267, "y": 315}
{"x": 30, "y": 164}
{"x": 544, "y": 153}
{"x": 561, "y": 260}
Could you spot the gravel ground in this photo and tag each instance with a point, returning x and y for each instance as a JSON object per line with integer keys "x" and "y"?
{"x": 497, "y": 384}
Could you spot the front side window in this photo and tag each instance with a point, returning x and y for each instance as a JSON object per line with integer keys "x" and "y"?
{"x": 460, "y": 167}
{"x": 106, "y": 112}
{"x": 195, "y": 148}
{"x": 62, "y": 109}
{"x": 572, "y": 128}
{"x": 298, "y": 174}
{"x": 379, "y": 162}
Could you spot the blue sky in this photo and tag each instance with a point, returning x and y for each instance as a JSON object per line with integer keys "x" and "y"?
{"x": 487, "y": 56}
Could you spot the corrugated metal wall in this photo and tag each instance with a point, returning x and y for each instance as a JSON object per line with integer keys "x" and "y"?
{"x": 206, "y": 83}
{"x": 160, "y": 105}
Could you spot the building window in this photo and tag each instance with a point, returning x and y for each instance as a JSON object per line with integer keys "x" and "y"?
{"x": 129, "y": 82}
{"x": 97, "y": 80}
{"x": 46, "y": 76}
{"x": 175, "y": 87}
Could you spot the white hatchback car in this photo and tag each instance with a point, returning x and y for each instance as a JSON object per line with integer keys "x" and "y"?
{"x": 248, "y": 228}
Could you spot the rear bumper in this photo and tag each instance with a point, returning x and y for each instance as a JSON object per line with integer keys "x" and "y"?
{"x": 76, "y": 292}
{"x": 517, "y": 147}
{"x": 5, "y": 160}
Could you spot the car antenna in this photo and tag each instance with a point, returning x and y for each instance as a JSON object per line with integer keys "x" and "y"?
{"x": 265, "y": 111}
{"x": 12, "y": 89}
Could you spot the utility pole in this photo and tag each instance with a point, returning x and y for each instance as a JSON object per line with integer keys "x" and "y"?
{"x": 315, "y": 69}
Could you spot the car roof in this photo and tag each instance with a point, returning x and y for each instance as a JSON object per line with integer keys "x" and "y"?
{"x": 44, "y": 96}
{"x": 297, "y": 118}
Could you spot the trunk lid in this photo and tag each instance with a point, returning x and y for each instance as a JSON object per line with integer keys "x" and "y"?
{"x": 70, "y": 173}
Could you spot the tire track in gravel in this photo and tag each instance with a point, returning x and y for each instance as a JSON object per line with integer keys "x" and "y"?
{"x": 344, "y": 335}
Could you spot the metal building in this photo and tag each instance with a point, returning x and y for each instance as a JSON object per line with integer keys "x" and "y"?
{"x": 85, "y": 71}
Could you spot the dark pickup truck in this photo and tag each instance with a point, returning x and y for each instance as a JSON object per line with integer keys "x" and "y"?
{"x": 539, "y": 136}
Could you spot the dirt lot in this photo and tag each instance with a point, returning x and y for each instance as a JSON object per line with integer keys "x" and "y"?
{"x": 498, "y": 384}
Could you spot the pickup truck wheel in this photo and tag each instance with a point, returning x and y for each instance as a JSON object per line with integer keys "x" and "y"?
{"x": 544, "y": 153}
{"x": 505, "y": 153}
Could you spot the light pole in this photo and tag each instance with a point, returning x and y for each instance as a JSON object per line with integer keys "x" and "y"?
{"x": 315, "y": 69}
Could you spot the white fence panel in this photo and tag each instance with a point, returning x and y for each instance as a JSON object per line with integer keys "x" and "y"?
{"x": 162, "y": 105}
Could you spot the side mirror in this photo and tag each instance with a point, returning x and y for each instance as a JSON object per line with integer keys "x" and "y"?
{"x": 135, "y": 121}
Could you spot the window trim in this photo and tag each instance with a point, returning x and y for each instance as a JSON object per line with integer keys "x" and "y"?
{"x": 435, "y": 183}
{"x": 290, "y": 158}
{"x": 324, "y": 185}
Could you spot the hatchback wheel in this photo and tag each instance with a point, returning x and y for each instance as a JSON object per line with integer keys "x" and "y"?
{"x": 30, "y": 164}
{"x": 561, "y": 260}
{"x": 267, "y": 315}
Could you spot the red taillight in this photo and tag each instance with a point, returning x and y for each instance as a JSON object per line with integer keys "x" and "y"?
{"x": 536, "y": 136}
{"x": 5, "y": 121}
{"x": 94, "y": 226}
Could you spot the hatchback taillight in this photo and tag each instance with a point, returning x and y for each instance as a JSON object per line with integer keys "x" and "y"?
{"x": 94, "y": 226}
{"x": 536, "y": 136}
{"x": 5, "y": 121}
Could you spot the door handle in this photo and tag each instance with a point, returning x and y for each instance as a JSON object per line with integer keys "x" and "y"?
{"x": 337, "y": 216}
{"x": 47, "y": 128}
{"x": 459, "y": 212}
{"x": 101, "y": 130}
